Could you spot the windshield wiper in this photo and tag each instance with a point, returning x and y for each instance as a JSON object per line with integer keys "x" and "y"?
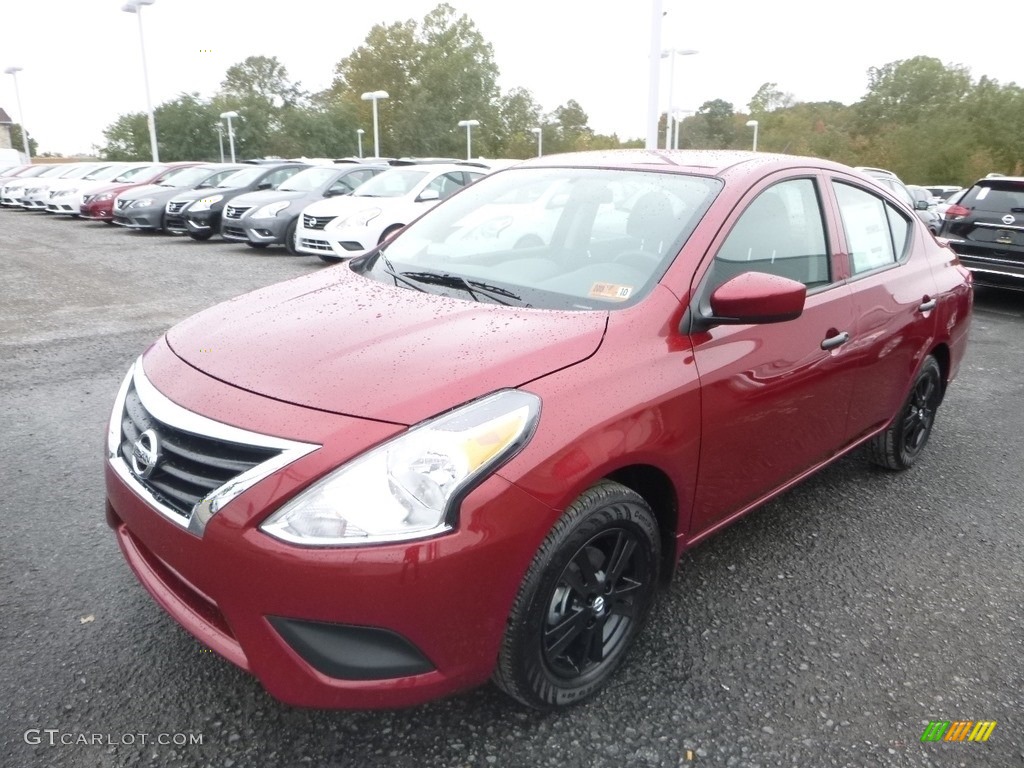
{"x": 390, "y": 270}
{"x": 472, "y": 287}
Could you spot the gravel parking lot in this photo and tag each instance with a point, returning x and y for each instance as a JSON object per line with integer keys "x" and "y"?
{"x": 827, "y": 629}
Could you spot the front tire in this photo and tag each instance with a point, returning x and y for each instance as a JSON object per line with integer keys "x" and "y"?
{"x": 583, "y": 600}
{"x": 200, "y": 235}
{"x": 902, "y": 443}
{"x": 289, "y": 237}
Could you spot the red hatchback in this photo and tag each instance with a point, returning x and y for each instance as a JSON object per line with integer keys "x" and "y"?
{"x": 98, "y": 205}
{"x": 477, "y": 451}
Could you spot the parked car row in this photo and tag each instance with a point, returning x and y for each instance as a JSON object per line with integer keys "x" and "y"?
{"x": 329, "y": 209}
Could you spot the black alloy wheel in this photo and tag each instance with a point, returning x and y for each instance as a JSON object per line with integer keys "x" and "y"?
{"x": 902, "y": 443}
{"x": 583, "y": 600}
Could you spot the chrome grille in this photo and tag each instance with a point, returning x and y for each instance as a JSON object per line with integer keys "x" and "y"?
{"x": 316, "y": 222}
{"x": 175, "y": 206}
{"x": 188, "y": 466}
{"x": 236, "y": 212}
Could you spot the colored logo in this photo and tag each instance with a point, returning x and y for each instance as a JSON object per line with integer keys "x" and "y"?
{"x": 958, "y": 730}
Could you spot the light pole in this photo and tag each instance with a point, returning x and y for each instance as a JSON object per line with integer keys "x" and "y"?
{"x": 468, "y": 125}
{"x": 539, "y": 130}
{"x": 675, "y": 136}
{"x": 375, "y": 96}
{"x": 359, "y": 138}
{"x": 219, "y": 127}
{"x": 135, "y": 6}
{"x": 13, "y": 72}
{"x": 670, "y": 112}
{"x": 231, "y": 131}
{"x": 753, "y": 124}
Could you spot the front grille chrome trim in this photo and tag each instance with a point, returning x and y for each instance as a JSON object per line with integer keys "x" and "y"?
{"x": 170, "y": 413}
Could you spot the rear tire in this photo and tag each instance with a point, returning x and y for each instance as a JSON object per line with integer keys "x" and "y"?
{"x": 903, "y": 441}
{"x": 583, "y": 600}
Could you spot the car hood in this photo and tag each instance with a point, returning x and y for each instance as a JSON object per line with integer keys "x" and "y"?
{"x": 151, "y": 190}
{"x": 198, "y": 194}
{"x": 266, "y": 196}
{"x": 336, "y": 206}
{"x": 344, "y": 343}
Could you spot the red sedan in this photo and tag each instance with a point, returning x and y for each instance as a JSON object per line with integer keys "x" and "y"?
{"x": 476, "y": 452}
{"x": 98, "y": 204}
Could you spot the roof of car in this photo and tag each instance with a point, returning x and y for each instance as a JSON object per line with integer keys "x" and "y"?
{"x": 998, "y": 179}
{"x": 709, "y": 162}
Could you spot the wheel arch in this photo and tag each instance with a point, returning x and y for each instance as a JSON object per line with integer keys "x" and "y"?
{"x": 660, "y": 493}
{"x": 941, "y": 354}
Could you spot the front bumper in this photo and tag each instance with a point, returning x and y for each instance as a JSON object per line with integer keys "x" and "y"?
{"x": 67, "y": 205}
{"x": 294, "y": 616}
{"x": 140, "y": 218}
{"x": 336, "y": 243}
{"x": 267, "y": 230}
{"x": 202, "y": 222}
{"x": 97, "y": 210}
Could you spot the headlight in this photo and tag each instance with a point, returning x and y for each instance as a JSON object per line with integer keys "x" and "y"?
{"x": 205, "y": 203}
{"x": 408, "y": 487}
{"x": 359, "y": 219}
{"x": 271, "y": 209}
{"x": 143, "y": 203}
{"x": 104, "y": 196}
{"x": 62, "y": 192}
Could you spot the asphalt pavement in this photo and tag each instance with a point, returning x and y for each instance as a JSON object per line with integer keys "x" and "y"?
{"x": 826, "y": 629}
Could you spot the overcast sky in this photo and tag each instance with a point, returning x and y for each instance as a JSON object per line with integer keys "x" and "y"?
{"x": 82, "y": 66}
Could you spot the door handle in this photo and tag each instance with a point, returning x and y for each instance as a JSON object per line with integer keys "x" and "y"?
{"x": 835, "y": 341}
{"x": 927, "y": 304}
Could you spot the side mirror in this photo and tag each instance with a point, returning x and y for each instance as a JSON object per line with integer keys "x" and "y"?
{"x": 337, "y": 192}
{"x": 264, "y": 185}
{"x": 428, "y": 195}
{"x": 756, "y": 298}
{"x": 922, "y": 205}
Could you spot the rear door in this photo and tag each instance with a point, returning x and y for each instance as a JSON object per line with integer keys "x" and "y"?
{"x": 894, "y": 298}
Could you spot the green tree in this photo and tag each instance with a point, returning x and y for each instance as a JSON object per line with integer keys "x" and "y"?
{"x": 18, "y": 143}
{"x": 518, "y": 115}
{"x": 259, "y": 89}
{"x": 435, "y": 73}
{"x": 713, "y": 127}
{"x": 186, "y": 129}
{"x": 127, "y": 138}
{"x": 911, "y": 90}
{"x": 769, "y": 98}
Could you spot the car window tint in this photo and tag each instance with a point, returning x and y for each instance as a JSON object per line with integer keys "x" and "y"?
{"x": 1001, "y": 196}
{"x": 781, "y": 233}
{"x": 869, "y": 238}
{"x": 446, "y": 184}
{"x": 899, "y": 225}
{"x": 280, "y": 175}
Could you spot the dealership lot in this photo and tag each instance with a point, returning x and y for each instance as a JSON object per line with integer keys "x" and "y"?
{"x": 826, "y": 629}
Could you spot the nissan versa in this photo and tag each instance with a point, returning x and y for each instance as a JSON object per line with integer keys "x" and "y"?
{"x": 425, "y": 468}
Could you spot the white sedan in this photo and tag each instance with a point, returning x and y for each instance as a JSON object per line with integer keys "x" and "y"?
{"x": 345, "y": 227}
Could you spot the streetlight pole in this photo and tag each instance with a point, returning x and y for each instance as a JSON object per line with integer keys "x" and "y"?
{"x": 653, "y": 75}
{"x": 675, "y": 137}
{"x": 468, "y": 125}
{"x": 220, "y": 139}
{"x": 359, "y": 138}
{"x": 539, "y": 130}
{"x": 670, "y": 112}
{"x": 375, "y": 96}
{"x": 13, "y": 72}
{"x": 753, "y": 124}
{"x": 135, "y": 6}
{"x": 231, "y": 131}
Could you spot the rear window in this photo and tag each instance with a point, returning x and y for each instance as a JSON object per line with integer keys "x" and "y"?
{"x": 996, "y": 195}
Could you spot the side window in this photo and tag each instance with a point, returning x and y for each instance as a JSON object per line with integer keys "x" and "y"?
{"x": 447, "y": 184}
{"x": 277, "y": 177}
{"x": 876, "y": 233}
{"x": 782, "y": 233}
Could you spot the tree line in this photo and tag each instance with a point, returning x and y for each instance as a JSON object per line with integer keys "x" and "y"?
{"x": 928, "y": 121}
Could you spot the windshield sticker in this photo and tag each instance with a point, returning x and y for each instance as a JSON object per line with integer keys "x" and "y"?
{"x": 610, "y": 291}
{"x": 983, "y": 193}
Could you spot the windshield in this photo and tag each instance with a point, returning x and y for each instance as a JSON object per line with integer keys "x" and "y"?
{"x": 104, "y": 173}
{"x": 138, "y": 173}
{"x": 243, "y": 178}
{"x": 77, "y": 173}
{"x": 557, "y": 238}
{"x": 55, "y": 170}
{"x": 393, "y": 183}
{"x": 309, "y": 179}
{"x": 185, "y": 177}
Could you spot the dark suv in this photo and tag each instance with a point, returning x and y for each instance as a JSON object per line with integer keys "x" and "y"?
{"x": 986, "y": 229}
